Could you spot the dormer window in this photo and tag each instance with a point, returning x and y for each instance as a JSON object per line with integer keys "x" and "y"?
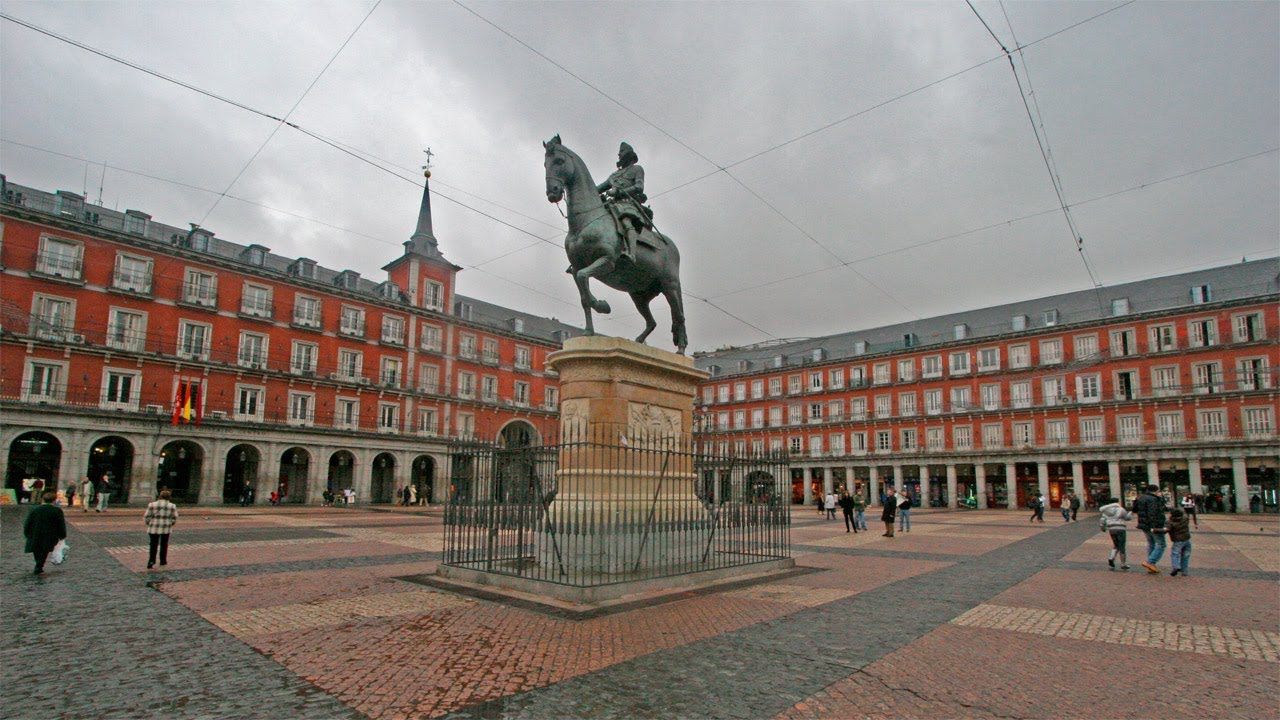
{"x": 389, "y": 291}
{"x": 910, "y": 340}
{"x": 960, "y": 331}
{"x": 70, "y": 204}
{"x": 818, "y": 354}
{"x": 303, "y": 268}
{"x": 1119, "y": 306}
{"x": 1201, "y": 294}
{"x": 779, "y": 360}
{"x": 135, "y": 222}
{"x": 1018, "y": 323}
{"x": 347, "y": 280}
{"x": 744, "y": 365}
{"x": 255, "y": 255}
{"x": 517, "y": 325}
{"x": 860, "y": 347}
{"x": 198, "y": 239}
{"x": 1050, "y": 317}
{"x": 463, "y": 310}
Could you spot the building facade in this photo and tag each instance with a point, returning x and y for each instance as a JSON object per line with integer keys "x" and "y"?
{"x": 165, "y": 356}
{"x": 1168, "y": 381}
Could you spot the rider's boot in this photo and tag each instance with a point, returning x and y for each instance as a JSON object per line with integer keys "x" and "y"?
{"x": 629, "y": 235}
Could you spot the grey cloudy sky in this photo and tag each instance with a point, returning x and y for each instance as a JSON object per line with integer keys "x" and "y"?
{"x": 880, "y": 162}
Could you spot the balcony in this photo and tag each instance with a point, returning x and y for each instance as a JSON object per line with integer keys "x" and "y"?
{"x": 60, "y": 265}
{"x": 199, "y": 295}
{"x": 131, "y": 281}
{"x": 259, "y": 308}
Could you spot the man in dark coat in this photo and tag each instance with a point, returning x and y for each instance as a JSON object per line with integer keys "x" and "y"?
{"x": 1149, "y": 507}
{"x": 890, "y": 512}
{"x": 45, "y": 526}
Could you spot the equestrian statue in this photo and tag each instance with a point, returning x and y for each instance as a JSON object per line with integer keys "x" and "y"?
{"x": 612, "y": 239}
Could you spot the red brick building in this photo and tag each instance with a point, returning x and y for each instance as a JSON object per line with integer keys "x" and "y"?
{"x": 1170, "y": 380}
{"x": 282, "y": 375}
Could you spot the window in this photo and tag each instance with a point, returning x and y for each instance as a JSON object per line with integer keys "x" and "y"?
{"x": 430, "y": 340}
{"x": 739, "y": 447}
{"x": 775, "y": 386}
{"x": 1051, "y": 351}
{"x": 989, "y": 359}
{"x": 433, "y": 295}
{"x": 53, "y": 318}
{"x": 835, "y": 443}
{"x": 961, "y": 399}
{"x": 1024, "y": 434}
{"x": 1211, "y": 424}
{"x": 757, "y": 418}
{"x": 835, "y": 378}
{"x": 551, "y": 398}
{"x": 1020, "y": 394}
{"x": 857, "y": 377}
{"x": 428, "y": 421}
{"x": 1202, "y": 332}
{"x": 992, "y": 435}
{"x": 253, "y": 351}
{"x": 962, "y": 437}
{"x": 388, "y": 417}
{"x": 1259, "y": 422}
{"x": 1018, "y": 323}
{"x": 467, "y": 346}
{"x": 200, "y": 288}
{"x": 302, "y": 361}
{"x": 880, "y": 373}
{"x": 739, "y": 392}
{"x": 815, "y": 445}
{"x": 1086, "y": 346}
{"x": 757, "y": 389}
{"x": 1126, "y": 385}
{"x": 793, "y": 384}
{"x": 135, "y": 223}
{"x": 249, "y": 403}
{"x": 1019, "y": 356}
{"x": 1055, "y": 432}
{"x": 391, "y": 372}
{"x": 931, "y": 366}
{"x": 960, "y": 332}
{"x": 1050, "y": 318}
{"x": 1162, "y": 338}
{"x": 350, "y": 364}
{"x": 815, "y": 412}
{"x": 302, "y": 408}
{"x": 722, "y": 394}
{"x": 466, "y": 425}
{"x": 1088, "y": 388}
{"x": 255, "y": 301}
{"x": 126, "y": 330}
{"x": 393, "y": 329}
{"x": 858, "y": 409}
{"x": 193, "y": 340}
{"x": 990, "y": 396}
{"x": 908, "y": 439}
{"x": 775, "y": 416}
{"x": 1251, "y": 373}
{"x": 1164, "y": 381}
{"x": 120, "y": 389}
{"x": 934, "y": 439}
{"x": 1247, "y": 328}
{"x": 346, "y": 414}
{"x": 489, "y": 351}
{"x": 884, "y": 406}
{"x": 60, "y": 258}
{"x": 1169, "y": 427}
{"x": 708, "y": 395}
{"x": 1201, "y": 294}
{"x": 933, "y": 402}
{"x": 1123, "y": 343}
{"x": 858, "y": 443}
{"x": 884, "y": 441}
{"x": 906, "y": 370}
{"x": 815, "y": 382}
{"x": 306, "y": 311}
{"x": 428, "y": 379}
{"x": 795, "y": 414}
{"x": 907, "y": 404}
{"x": 1092, "y": 431}
{"x": 132, "y": 274}
{"x": 739, "y": 419}
{"x": 835, "y": 410}
{"x": 1206, "y": 377}
{"x": 1053, "y": 391}
{"x": 1119, "y": 306}
{"x": 522, "y": 358}
{"x": 489, "y": 388}
{"x": 351, "y": 321}
{"x": 757, "y": 447}
{"x": 1129, "y": 429}
{"x": 960, "y": 363}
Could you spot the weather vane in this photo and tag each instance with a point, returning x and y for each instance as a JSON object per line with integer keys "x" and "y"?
{"x": 426, "y": 169}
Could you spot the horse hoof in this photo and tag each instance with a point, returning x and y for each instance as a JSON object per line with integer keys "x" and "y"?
{"x": 601, "y": 307}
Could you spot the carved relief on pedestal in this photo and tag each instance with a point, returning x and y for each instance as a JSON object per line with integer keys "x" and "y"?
{"x": 575, "y": 416}
{"x": 650, "y": 422}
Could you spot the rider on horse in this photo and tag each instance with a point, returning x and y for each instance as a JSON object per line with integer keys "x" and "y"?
{"x": 624, "y": 190}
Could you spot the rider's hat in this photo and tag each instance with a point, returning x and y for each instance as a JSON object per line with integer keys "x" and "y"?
{"x": 626, "y": 151}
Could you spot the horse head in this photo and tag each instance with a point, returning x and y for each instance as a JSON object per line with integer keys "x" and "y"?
{"x": 559, "y": 168}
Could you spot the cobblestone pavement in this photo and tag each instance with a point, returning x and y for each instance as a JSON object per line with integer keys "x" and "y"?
{"x": 308, "y": 612}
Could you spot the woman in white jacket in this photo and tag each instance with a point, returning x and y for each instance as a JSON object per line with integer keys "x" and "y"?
{"x": 1113, "y": 520}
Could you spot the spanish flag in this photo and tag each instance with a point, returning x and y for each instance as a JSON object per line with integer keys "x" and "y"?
{"x": 186, "y": 402}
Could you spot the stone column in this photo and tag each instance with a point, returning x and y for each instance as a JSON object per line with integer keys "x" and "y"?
{"x": 808, "y": 487}
{"x": 873, "y": 485}
{"x": 1153, "y": 472}
{"x": 951, "y": 486}
{"x": 1042, "y": 476}
{"x": 848, "y": 479}
{"x": 1077, "y": 479}
{"x": 897, "y": 479}
{"x": 924, "y": 499}
{"x": 1193, "y": 472}
{"x": 980, "y": 475}
{"x": 1113, "y": 478}
{"x": 828, "y": 484}
{"x": 1011, "y": 484}
{"x": 1240, "y": 485}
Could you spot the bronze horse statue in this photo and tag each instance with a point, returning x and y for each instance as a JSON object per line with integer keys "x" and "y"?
{"x": 594, "y": 244}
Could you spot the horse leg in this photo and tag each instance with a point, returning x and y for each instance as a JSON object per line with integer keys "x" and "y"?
{"x": 671, "y": 291}
{"x": 599, "y": 267}
{"x": 642, "y": 300}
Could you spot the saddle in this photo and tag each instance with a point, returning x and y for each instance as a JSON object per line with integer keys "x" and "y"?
{"x": 642, "y": 214}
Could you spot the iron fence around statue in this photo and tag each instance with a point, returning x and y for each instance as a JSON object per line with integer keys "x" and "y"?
{"x": 598, "y": 507}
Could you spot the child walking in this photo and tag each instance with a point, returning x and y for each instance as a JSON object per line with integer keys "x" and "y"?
{"x": 1180, "y": 536}
{"x": 1113, "y": 520}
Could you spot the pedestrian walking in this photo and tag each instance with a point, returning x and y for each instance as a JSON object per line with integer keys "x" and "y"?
{"x": 830, "y": 504}
{"x": 1113, "y": 520}
{"x": 86, "y": 493}
{"x": 44, "y": 527}
{"x": 1189, "y": 507}
{"x": 1180, "y": 536}
{"x": 859, "y": 512}
{"x": 846, "y": 509}
{"x": 71, "y": 494}
{"x": 1149, "y": 507}
{"x": 890, "y": 510}
{"x": 413, "y": 495}
{"x": 159, "y": 519}
{"x": 1075, "y": 506}
{"x": 103, "y": 491}
{"x": 904, "y": 511}
{"x": 1065, "y": 507}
